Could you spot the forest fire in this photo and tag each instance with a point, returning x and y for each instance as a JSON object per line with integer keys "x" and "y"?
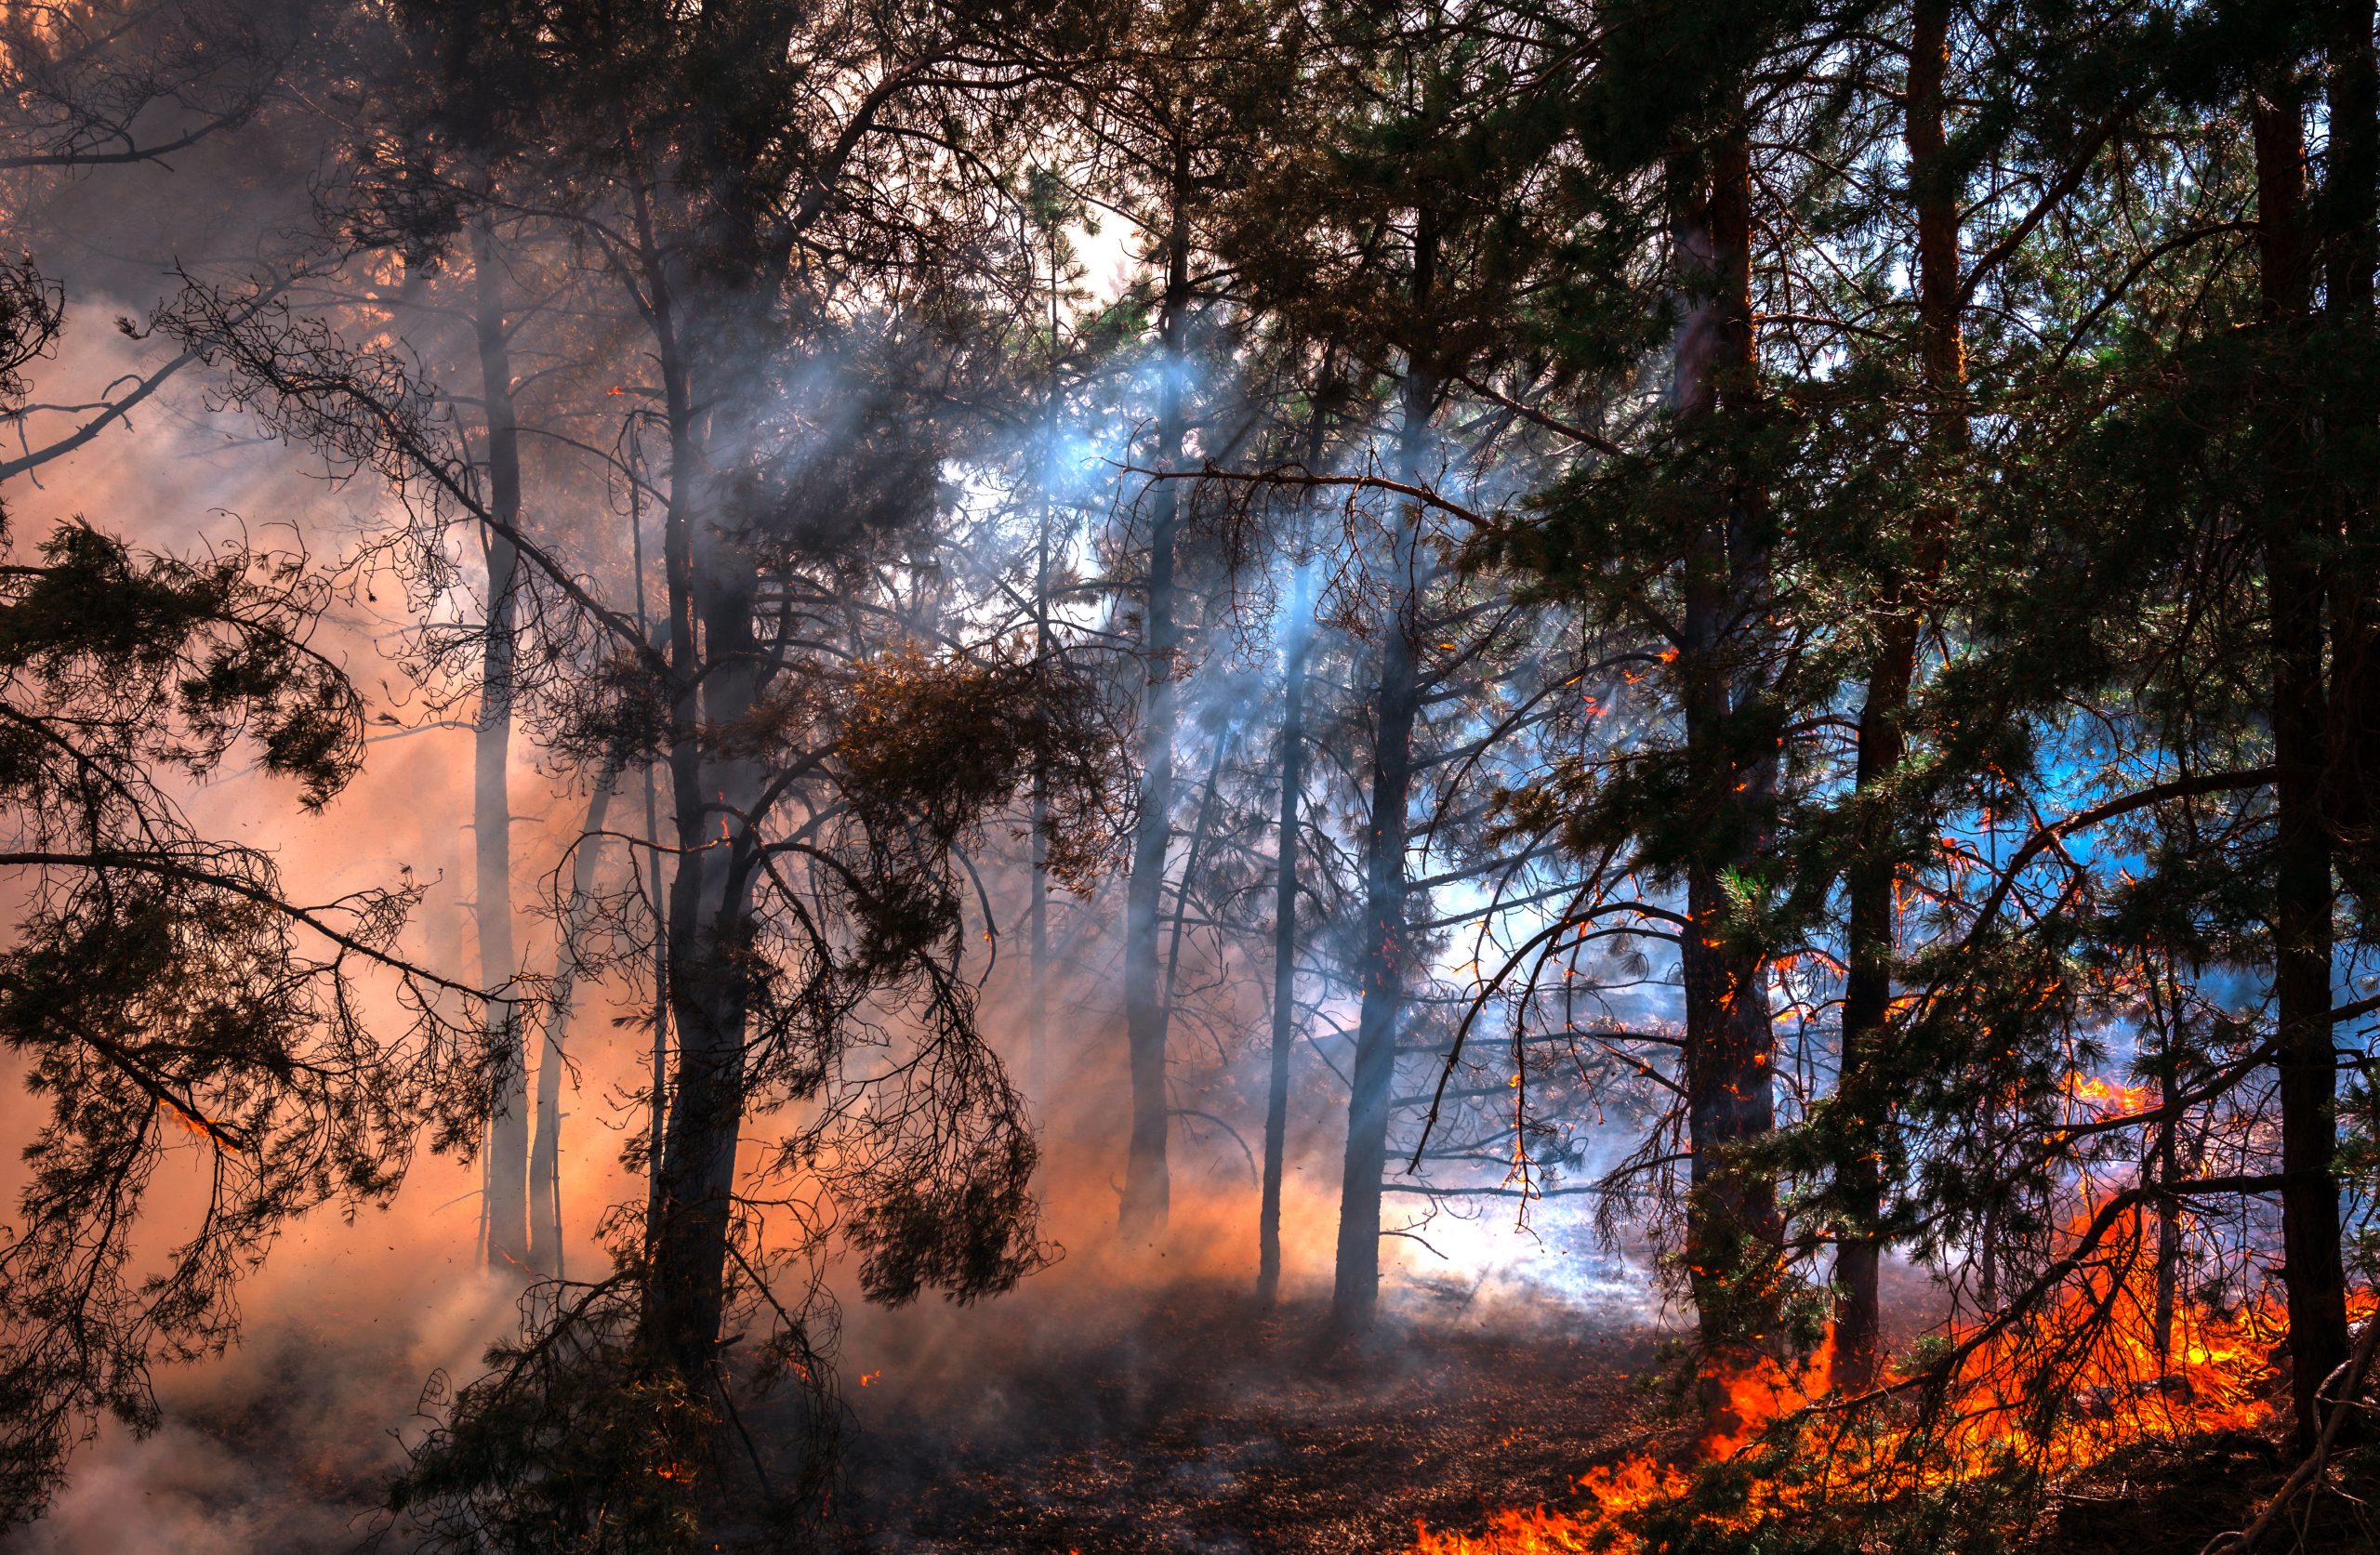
{"x": 2114, "y": 1386}
{"x": 783, "y": 775}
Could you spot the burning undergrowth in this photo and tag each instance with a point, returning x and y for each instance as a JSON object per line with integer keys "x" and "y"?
{"x": 1191, "y": 1420}
{"x": 2035, "y": 1429}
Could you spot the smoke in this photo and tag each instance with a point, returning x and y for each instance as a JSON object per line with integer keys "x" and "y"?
{"x": 285, "y": 1442}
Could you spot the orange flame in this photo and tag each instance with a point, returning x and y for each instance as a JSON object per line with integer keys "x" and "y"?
{"x": 192, "y": 1122}
{"x": 2109, "y": 1099}
{"x": 2217, "y": 1374}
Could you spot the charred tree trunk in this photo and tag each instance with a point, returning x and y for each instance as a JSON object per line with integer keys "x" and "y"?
{"x": 1356, "y": 1288}
{"x": 1285, "y": 947}
{"x": 1732, "y": 1226}
{"x": 507, "y": 1184}
{"x": 1147, "y": 1187}
{"x": 2302, "y": 928}
{"x": 1876, "y": 870}
{"x": 713, "y": 663}
{"x": 544, "y": 1155}
{"x": 708, "y": 984}
{"x": 2164, "y": 1167}
{"x": 1396, "y": 706}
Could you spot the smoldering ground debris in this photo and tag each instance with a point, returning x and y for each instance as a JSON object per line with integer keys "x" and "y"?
{"x": 1209, "y": 1426}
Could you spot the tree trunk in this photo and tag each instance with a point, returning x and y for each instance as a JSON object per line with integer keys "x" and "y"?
{"x": 1876, "y": 872}
{"x": 1298, "y": 647}
{"x": 1037, "y": 933}
{"x": 1285, "y": 945}
{"x": 657, "y": 1107}
{"x": 507, "y": 1186}
{"x": 2302, "y": 928}
{"x": 2351, "y": 203}
{"x": 1036, "y": 1049}
{"x": 1210, "y": 792}
{"x": 713, "y": 665}
{"x": 1355, "y": 1290}
{"x": 2164, "y": 1167}
{"x": 1147, "y": 1187}
{"x": 2350, "y": 225}
{"x": 1354, "y": 1295}
{"x": 709, "y": 986}
{"x": 544, "y": 1155}
{"x": 1732, "y": 1224}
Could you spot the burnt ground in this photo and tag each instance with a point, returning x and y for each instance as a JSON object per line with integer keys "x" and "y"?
{"x": 2177, "y": 1499}
{"x": 1210, "y": 1427}
{"x": 1107, "y": 1422}
{"x": 1204, "y": 1427}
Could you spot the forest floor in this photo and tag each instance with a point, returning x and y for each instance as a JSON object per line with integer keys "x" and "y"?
{"x": 1112, "y": 1422}
{"x": 1207, "y": 1428}
{"x": 1211, "y": 1428}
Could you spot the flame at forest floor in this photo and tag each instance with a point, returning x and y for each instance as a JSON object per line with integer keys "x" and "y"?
{"x": 2037, "y": 1405}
